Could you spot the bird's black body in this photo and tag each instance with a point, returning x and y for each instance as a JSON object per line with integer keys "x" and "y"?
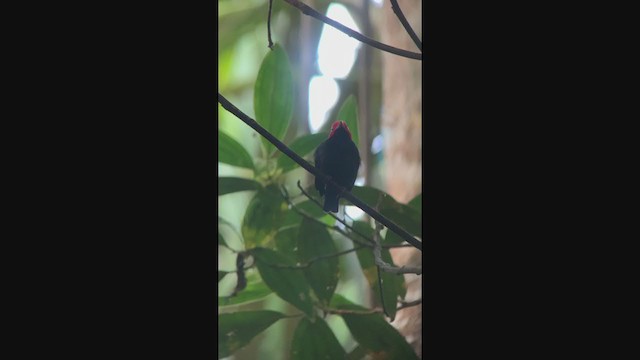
{"x": 338, "y": 158}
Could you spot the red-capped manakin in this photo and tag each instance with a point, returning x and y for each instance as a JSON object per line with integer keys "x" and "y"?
{"x": 338, "y": 158}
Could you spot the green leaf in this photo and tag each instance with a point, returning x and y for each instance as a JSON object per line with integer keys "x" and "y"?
{"x": 315, "y": 341}
{"x": 236, "y": 330}
{"x": 227, "y": 185}
{"x": 357, "y": 354}
{"x": 302, "y": 146}
{"x": 349, "y": 114}
{"x": 231, "y": 152}
{"x": 288, "y": 284}
{"x": 287, "y": 241}
{"x": 391, "y": 283}
{"x": 221, "y": 274}
{"x": 313, "y": 241}
{"x": 416, "y": 203}
{"x": 307, "y": 207}
{"x": 273, "y": 96}
{"x": 263, "y": 217}
{"x": 373, "y": 332}
{"x": 254, "y": 291}
{"x": 404, "y": 216}
{"x": 221, "y": 241}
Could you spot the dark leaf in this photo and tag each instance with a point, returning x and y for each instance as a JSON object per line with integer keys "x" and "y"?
{"x": 349, "y": 114}
{"x": 231, "y": 152}
{"x": 315, "y": 341}
{"x": 263, "y": 217}
{"x": 416, "y": 203}
{"x": 227, "y": 185}
{"x": 273, "y": 96}
{"x": 404, "y": 216}
{"x": 391, "y": 283}
{"x": 302, "y": 146}
{"x": 236, "y": 330}
{"x": 288, "y": 284}
{"x": 287, "y": 241}
{"x": 307, "y": 207}
{"x": 373, "y": 332}
{"x": 313, "y": 241}
{"x": 357, "y": 354}
{"x": 221, "y": 274}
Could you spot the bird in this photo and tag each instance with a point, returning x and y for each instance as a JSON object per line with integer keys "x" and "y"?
{"x": 338, "y": 158}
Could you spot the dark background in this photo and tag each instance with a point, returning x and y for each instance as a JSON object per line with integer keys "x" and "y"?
{"x": 120, "y": 258}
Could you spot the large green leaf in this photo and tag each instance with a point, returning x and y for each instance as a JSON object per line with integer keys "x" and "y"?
{"x": 232, "y": 153}
{"x": 372, "y": 332}
{"x": 287, "y": 241}
{"x": 302, "y": 146}
{"x": 289, "y": 284}
{"x": 273, "y": 96}
{"x": 313, "y": 241}
{"x": 227, "y": 185}
{"x": 315, "y": 341}
{"x": 264, "y": 216}
{"x": 307, "y": 207}
{"x": 349, "y": 114}
{"x": 416, "y": 203}
{"x": 237, "y": 329}
{"x": 221, "y": 241}
{"x": 254, "y": 291}
{"x": 405, "y": 216}
{"x": 391, "y": 283}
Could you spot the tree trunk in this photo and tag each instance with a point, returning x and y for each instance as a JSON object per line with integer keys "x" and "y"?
{"x": 402, "y": 130}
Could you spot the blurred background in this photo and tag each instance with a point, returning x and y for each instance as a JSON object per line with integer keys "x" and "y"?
{"x": 327, "y": 66}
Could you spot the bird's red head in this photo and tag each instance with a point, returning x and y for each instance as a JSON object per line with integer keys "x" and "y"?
{"x": 337, "y": 125}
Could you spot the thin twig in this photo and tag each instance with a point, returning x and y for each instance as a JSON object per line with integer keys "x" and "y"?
{"x": 376, "y": 241}
{"x": 341, "y": 191}
{"x": 285, "y": 195}
{"x": 369, "y": 240}
{"x": 349, "y": 236}
{"x": 405, "y": 23}
{"x": 352, "y": 33}
{"x": 368, "y": 312}
{"x": 383, "y": 265}
{"x": 404, "y": 305}
{"x": 313, "y": 260}
{"x": 269, "y": 25}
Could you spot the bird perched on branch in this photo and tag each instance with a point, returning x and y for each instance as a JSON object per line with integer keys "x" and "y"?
{"x": 338, "y": 158}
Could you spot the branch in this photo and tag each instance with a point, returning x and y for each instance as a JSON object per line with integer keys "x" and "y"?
{"x": 312, "y": 260}
{"x": 405, "y": 305}
{"x": 383, "y": 265}
{"x": 342, "y": 192}
{"x": 285, "y": 195}
{"x": 405, "y": 23}
{"x": 370, "y": 241}
{"x": 352, "y": 229}
{"x": 269, "y": 25}
{"x": 368, "y": 312}
{"x": 352, "y": 33}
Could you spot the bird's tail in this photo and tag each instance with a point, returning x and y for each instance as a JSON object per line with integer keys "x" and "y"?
{"x": 330, "y": 202}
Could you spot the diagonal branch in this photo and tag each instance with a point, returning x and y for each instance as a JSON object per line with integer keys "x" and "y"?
{"x": 405, "y": 23}
{"x": 342, "y": 192}
{"x": 370, "y": 241}
{"x": 352, "y": 33}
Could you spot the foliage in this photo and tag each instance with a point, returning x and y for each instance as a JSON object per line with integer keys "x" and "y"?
{"x": 289, "y": 247}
